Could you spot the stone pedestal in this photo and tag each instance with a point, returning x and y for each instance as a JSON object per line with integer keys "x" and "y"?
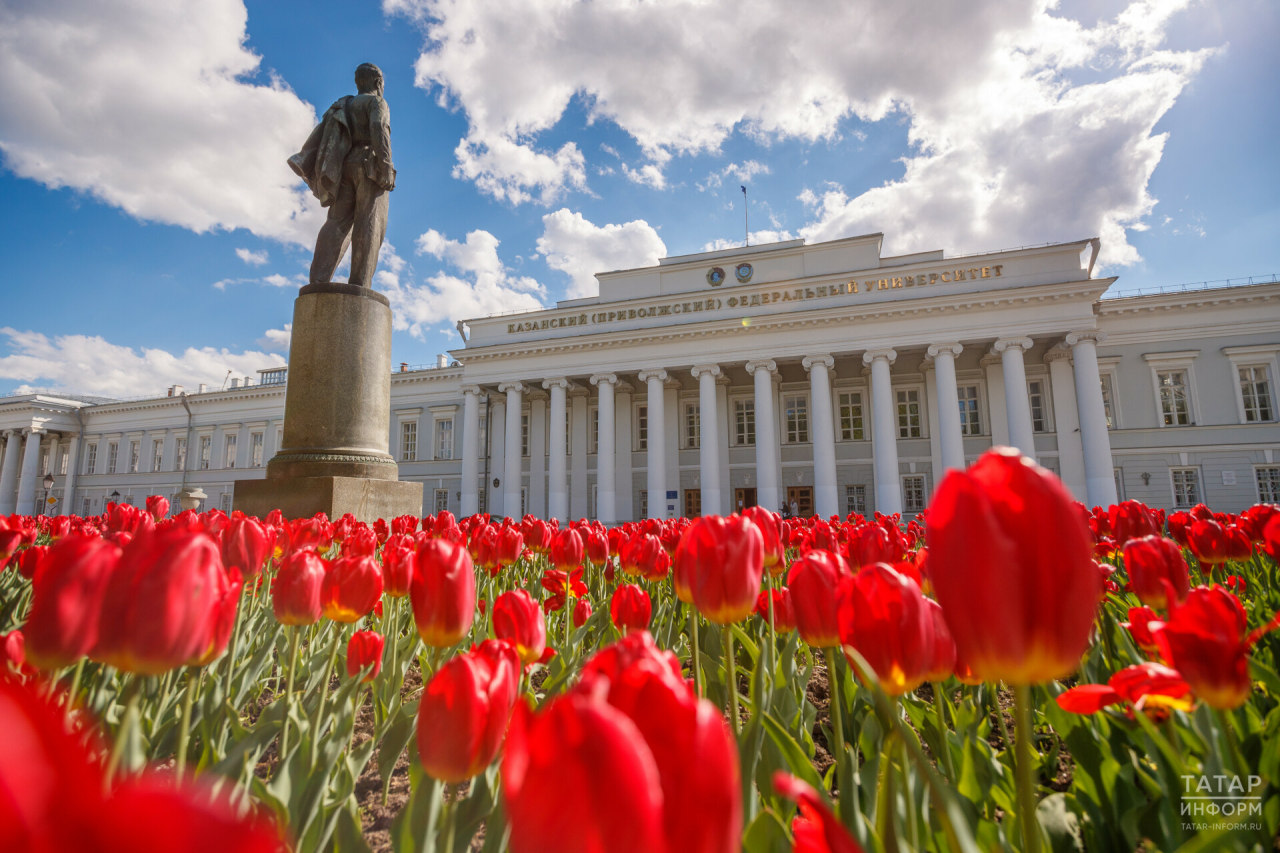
{"x": 337, "y": 411}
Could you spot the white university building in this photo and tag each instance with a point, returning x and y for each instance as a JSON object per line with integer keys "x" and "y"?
{"x": 826, "y": 375}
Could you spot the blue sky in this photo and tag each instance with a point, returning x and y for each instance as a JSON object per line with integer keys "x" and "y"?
{"x": 149, "y": 208}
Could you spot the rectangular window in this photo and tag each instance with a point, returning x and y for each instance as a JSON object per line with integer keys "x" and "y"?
{"x": 442, "y": 500}
{"x": 224, "y": 503}
{"x": 852, "y": 426}
{"x": 642, "y": 431}
{"x": 1108, "y": 406}
{"x": 1256, "y": 392}
{"x": 744, "y": 423}
{"x": 1119, "y": 476}
{"x": 157, "y": 454}
{"x": 1035, "y": 396}
{"x": 179, "y": 455}
{"x": 229, "y": 451}
{"x": 913, "y": 493}
{"x": 1175, "y": 408}
{"x": 524, "y": 501}
{"x": 113, "y": 455}
{"x": 135, "y": 454}
{"x": 855, "y": 499}
{"x": 63, "y": 461}
{"x": 91, "y": 460}
{"x": 797, "y": 412}
{"x": 909, "y": 423}
{"x": 1268, "y": 484}
{"x": 970, "y": 419}
{"x": 85, "y": 507}
{"x": 255, "y": 449}
{"x": 44, "y": 461}
{"x": 206, "y": 450}
{"x": 524, "y": 434}
{"x": 644, "y": 503}
{"x": 594, "y": 436}
{"x": 692, "y": 425}
{"x": 483, "y": 433}
{"x": 1186, "y": 487}
{"x": 409, "y": 441}
{"x": 444, "y": 439}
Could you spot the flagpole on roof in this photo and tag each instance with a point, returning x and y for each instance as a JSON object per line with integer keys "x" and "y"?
{"x": 746, "y": 232}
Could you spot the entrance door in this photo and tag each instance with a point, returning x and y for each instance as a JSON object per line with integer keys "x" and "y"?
{"x": 802, "y": 497}
{"x": 743, "y": 498}
{"x": 692, "y": 503}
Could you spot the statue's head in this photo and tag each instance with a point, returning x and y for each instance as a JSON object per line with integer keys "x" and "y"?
{"x": 368, "y": 78}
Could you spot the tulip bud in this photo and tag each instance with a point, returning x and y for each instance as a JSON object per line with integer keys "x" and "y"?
{"x": 510, "y": 544}
{"x": 158, "y": 506}
{"x": 630, "y": 608}
{"x": 360, "y": 542}
{"x": 464, "y": 711}
{"x": 1156, "y": 568}
{"x": 246, "y": 544}
{"x": 351, "y": 588}
{"x": 784, "y": 615}
{"x": 566, "y": 550}
{"x": 883, "y": 616}
{"x": 364, "y": 650}
{"x": 397, "y": 566}
{"x": 814, "y": 580}
{"x": 518, "y": 620}
{"x": 13, "y": 658}
{"x": 443, "y": 592}
{"x": 29, "y": 559}
{"x": 66, "y": 600}
{"x": 942, "y": 662}
{"x": 597, "y": 548}
{"x": 581, "y": 612}
{"x": 773, "y": 548}
{"x": 643, "y": 556}
{"x": 722, "y": 560}
{"x": 1137, "y": 626}
{"x": 295, "y": 592}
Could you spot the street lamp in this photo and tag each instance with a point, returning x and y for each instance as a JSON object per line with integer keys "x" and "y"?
{"x": 48, "y": 482}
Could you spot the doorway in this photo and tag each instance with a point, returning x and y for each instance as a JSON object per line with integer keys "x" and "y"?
{"x": 692, "y": 503}
{"x": 802, "y": 497}
{"x": 743, "y": 498}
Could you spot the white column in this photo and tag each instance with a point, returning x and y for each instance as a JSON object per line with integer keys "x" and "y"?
{"x": 822, "y": 422}
{"x": 30, "y": 474}
{"x": 558, "y": 490}
{"x": 708, "y": 438}
{"x": 1066, "y": 419}
{"x": 497, "y": 457}
{"x": 672, "y": 507}
{"x": 470, "y": 450}
{"x": 656, "y": 456}
{"x": 884, "y": 431}
{"x": 538, "y": 454}
{"x": 9, "y": 473}
{"x": 722, "y": 441}
{"x": 767, "y": 494}
{"x": 606, "y": 450}
{"x": 996, "y": 419}
{"x": 944, "y": 366}
{"x": 67, "y": 505}
{"x": 511, "y": 476}
{"x": 1017, "y": 403}
{"x": 1098, "y": 473}
{"x": 623, "y": 480}
{"x": 578, "y": 458}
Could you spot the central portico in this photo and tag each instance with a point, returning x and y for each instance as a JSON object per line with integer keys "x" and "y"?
{"x": 817, "y": 366}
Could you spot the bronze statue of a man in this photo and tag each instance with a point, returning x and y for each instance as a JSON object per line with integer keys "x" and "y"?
{"x": 347, "y": 163}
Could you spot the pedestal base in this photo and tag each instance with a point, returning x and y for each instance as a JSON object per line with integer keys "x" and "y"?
{"x": 303, "y": 497}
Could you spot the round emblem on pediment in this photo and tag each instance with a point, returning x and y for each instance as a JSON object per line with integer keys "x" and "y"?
{"x": 743, "y": 272}
{"x": 715, "y": 276}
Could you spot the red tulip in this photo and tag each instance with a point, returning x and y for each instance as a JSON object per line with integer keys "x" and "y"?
{"x": 158, "y": 506}
{"x": 509, "y": 546}
{"x": 942, "y": 662}
{"x": 246, "y": 544}
{"x": 295, "y": 592}
{"x": 351, "y": 588}
{"x": 1208, "y": 541}
{"x": 464, "y": 711}
{"x": 406, "y": 525}
{"x": 517, "y": 619}
{"x": 813, "y": 580}
{"x": 1139, "y": 619}
{"x": 816, "y": 828}
{"x": 165, "y": 603}
{"x": 1010, "y": 560}
{"x": 10, "y": 541}
{"x": 883, "y": 615}
{"x": 562, "y": 583}
{"x": 1156, "y": 570}
{"x": 314, "y": 533}
{"x": 630, "y": 608}
{"x": 1205, "y": 639}
{"x": 13, "y": 657}
{"x": 873, "y": 543}
{"x": 597, "y": 548}
{"x": 443, "y": 592}
{"x": 784, "y": 614}
{"x": 1131, "y": 520}
{"x": 360, "y": 542}
{"x": 722, "y": 560}
{"x": 364, "y": 650}
{"x": 581, "y": 612}
{"x": 643, "y": 555}
{"x": 29, "y": 560}
{"x": 775, "y": 551}
{"x": 566, "y": 550}
{"x": 483, "y": 548}
{"x": 397, "y": 565}
{"x": 1149, "y": 687}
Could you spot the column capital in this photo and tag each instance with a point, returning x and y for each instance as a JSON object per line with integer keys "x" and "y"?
{"x": 763, "y": 364}
{"x": 624, "y": 387}
{"x": 1004, "y": 344}
{"x": 471, "y": 389}
{"x": 555, "y": 382}
{"x": 871, "y": 355}
{"x": 32, "y": 430}
{"x": 535, "y": 395}
{"x": 724, "y": 380}
{"x": 709, "y": 369}
{"x": 576, "y": 390}
{"x": 927, "y": 365}
{"x": 825, "y": 360}
{"x": 673, "y": 385}
{"x": 507, "y": 387}
{"x": 653, "y": 373}
{"x": 607, "y": 378}
{"x": 1096, "y": 335}
{"x": 989, "y": 358}
{"x": 56, "y": 435}
{"x": 1059, "y": 351}
{"x": 937, "y": 349}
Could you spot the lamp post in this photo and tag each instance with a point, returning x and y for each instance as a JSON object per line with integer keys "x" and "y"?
{"x": 48, "y": 489}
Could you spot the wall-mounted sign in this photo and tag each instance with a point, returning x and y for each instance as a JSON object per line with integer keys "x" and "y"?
{"x": 743, "y": 272}
{"x": 715, "y": 276}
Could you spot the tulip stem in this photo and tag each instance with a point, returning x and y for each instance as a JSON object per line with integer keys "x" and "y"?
{"x": 324, "y": 692}
{"x": 75, "y": 689}
{"x": 731, "y": 676}
{"x": 696, "y": 662}
{"x": 122, "y": 734}
{"x": 1023, "y": 769}
{"x": 288, "y": 693}
{"x": 835, "y": 707}
{"x": 231, "y": 652}
{"x": 942, "y": 731}
{"x": 773, "y": 641}
{"x": 184, "y": 733}
{"x": 450, "y": 817}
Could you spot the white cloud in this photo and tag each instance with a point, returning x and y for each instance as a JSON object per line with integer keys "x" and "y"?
{"x": 485, "y": 286}
{"x": 277, "y": 340}
{"x": 1024, "y": 126}
{"x": 744, "y": 173}
{"x": 758, "y": 238}
{"x": 647, "y": 175}
{"x": 252, "y": 258}
{"x": 148, "y": 106}
{"x": 92, "y": 365}
{"x": 574, "y": 245}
